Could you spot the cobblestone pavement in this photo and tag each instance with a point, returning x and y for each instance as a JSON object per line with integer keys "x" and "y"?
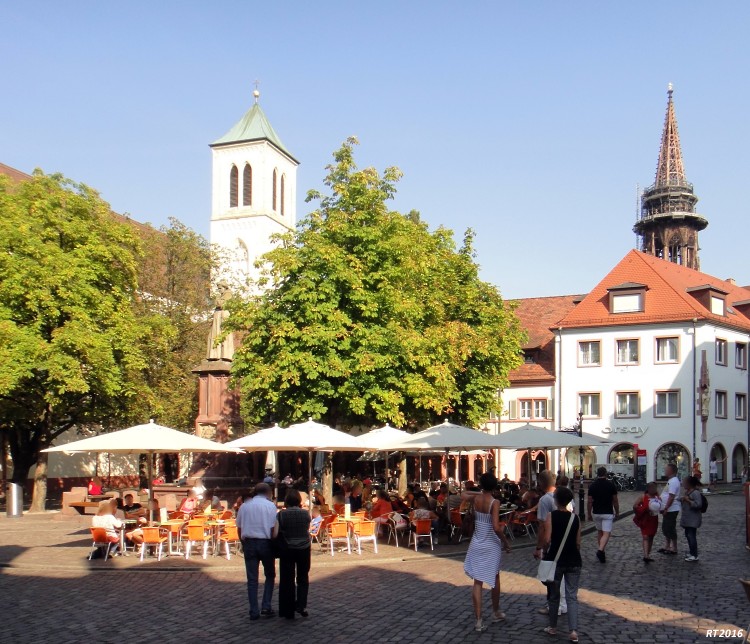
{"x": 50, "y": 592}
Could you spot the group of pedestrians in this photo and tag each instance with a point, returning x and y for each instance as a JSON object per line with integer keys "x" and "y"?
{"x": 267, "y": 534}
{"x": 559, "y": 536}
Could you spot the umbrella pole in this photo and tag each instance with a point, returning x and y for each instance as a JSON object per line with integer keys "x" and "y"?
{"x": 150, "y": 475}
{"x": 309, "y": 475}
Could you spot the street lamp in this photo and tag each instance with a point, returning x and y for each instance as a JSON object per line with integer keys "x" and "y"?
{"x": 581, "y": 511}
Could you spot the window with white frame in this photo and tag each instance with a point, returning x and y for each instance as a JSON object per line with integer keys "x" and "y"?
{"x": 627, "y": 352}
{"x": 740, "y": 406}
{"x": 589, "y": 353}
{"x": 627, "y": 303}
{"x": 590, "y": 405}
{"x": 532, "y": 409}
{"x": 717, "y": 305}
{"x": 721, "y": 404}
{"x": 667, "y": 350}
{"x": 628, "y": 404}
{"x": 740, "y": 355}
{"x": 667, "y": 403}
{"x": 721, "y": 351}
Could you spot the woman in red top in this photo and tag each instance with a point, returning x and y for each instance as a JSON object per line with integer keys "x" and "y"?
{"x": 189, "y": 503}
{"x": 95, "y": 486}
{"x": 381, "y": 509}
{"x": 647, "y": 518}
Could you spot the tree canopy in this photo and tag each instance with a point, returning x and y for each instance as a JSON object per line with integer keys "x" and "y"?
{"x": 368, "y": 317}
{"x": 82, "y": 345}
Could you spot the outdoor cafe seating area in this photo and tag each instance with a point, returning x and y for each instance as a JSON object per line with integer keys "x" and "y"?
{"x": 420, "y": 520}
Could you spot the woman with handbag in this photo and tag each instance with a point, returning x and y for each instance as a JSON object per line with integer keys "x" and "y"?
{"x": 564, "y": 553}
{"x": 293, "y": 525}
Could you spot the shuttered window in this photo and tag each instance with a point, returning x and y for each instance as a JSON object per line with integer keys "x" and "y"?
{"x": 233, "y": 191}
{"x": 247, "y": 186}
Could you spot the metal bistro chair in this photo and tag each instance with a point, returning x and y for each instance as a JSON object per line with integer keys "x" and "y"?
{"x": 456, "y": 524}
{"x": 230, "y": 536}
{"x": 100, "y": 540}
{"x": 197, "y": 534}
{"x": 397, "y": 522}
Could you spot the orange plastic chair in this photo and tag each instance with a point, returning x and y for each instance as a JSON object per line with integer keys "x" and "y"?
{"x": 100, "y": 540}
{"x": 457, "y": 524}
{"x": 422, "y": 530}
{"x": 524, "y": 520}
{"x": 360, "y": 514}
{"x": 338, "y": 531}
{"x": 366, "y": 531}
{"x": 196, "y": 534}
{"x": 226, "y": 515}
{"x": 153, "y": 538}
{"x": 175, "y": 537}
{"x": 338, "y": 508}
{"x": 230, "y": 536}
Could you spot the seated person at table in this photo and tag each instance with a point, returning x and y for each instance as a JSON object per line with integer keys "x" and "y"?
{"x": 355, "y": 497}
{"x": 316, "y": 520}
{"x": 381, "y": 509}
{"x": 398, "y": 505}
{"x": 211, "y": 502}
{"x": 105, "y": 519}
{"x": 423, "y": 512}
{"x": 136, "y": 535}
{"x": 190, "y": 503}
{"x": 131, "y": 509}
{"x": 442, "y": 494}
{"x": 95, "y": 486}
{"x": 453, "y": 500}
{"x": 116, "y": 505}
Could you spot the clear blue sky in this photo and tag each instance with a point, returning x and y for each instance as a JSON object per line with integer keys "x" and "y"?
{"x": 531, "y": 122}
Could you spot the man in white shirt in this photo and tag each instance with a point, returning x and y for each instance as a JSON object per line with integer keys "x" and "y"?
{"x": 670, "y": 503}
{"x": 256, "y": 524}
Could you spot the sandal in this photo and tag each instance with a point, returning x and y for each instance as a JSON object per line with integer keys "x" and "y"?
{"x": 551, "y": 631}
{"x": 480, "y": 626}
{"x": 498, "y": 616}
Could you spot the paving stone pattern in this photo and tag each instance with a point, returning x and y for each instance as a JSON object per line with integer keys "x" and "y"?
{"x": 50, "y": 593}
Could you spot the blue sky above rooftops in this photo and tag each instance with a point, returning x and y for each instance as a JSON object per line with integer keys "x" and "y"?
{"x": 531, "y": 123}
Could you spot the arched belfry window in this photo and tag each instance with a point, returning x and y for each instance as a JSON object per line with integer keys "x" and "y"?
{"x": 283, "y": 193}
{"x": 233, "y": 181}
{"x": 247, "y": 186}
{"x": 273, "y": 199}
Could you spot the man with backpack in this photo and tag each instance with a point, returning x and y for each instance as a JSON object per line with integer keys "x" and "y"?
{"x": 692, "y": 514}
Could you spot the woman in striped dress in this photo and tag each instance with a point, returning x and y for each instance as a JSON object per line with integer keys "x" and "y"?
{"x": 482, "y": 562}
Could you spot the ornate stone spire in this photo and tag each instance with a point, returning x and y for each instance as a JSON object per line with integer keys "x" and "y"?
{"x": 670, "y": 170}
{"x": 668, "y": 224}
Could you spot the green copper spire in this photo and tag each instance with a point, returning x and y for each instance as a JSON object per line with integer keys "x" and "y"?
{"x": 253, "y": 126}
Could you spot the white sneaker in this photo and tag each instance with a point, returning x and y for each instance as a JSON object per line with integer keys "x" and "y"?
{"x": 691, "y": 558}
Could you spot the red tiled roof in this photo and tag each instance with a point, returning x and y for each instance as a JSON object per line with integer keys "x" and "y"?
{"x": 14, "y": 174}
{"x": 537, "y": 316}
{"x": 17, "y": 175}
{"x": 667, "y": 297}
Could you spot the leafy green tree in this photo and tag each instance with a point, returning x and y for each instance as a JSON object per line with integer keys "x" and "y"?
{"x": 70, "y": 338}
{"x": 369, "y": 317}
{"x": 174, "y": 280}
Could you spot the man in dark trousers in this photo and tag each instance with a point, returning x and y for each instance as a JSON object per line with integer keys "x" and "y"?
{"x": 603, "y": 509}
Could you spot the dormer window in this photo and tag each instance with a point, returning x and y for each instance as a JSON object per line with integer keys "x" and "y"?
{"x": 713, "y": 298}
{"x": 627, "y": 298}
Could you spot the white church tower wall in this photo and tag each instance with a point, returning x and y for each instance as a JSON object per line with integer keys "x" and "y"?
{"x": 254, "y": 195}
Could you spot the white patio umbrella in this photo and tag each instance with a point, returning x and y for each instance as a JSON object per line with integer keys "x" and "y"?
{"x": 379, "y": 439}
{"x": 150, "y": 439}
{"x": 446, "y": 437}
{"x": 309, "y": 436}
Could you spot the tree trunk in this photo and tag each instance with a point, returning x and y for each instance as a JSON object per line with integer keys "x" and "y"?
{"x": 402, "y": 477}
{"x": 39, "y": 493}
{"x": 328, "y": 480}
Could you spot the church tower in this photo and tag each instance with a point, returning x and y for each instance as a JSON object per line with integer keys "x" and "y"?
{"x": 668, "y": 224}
{"x": 254, "y": 193}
